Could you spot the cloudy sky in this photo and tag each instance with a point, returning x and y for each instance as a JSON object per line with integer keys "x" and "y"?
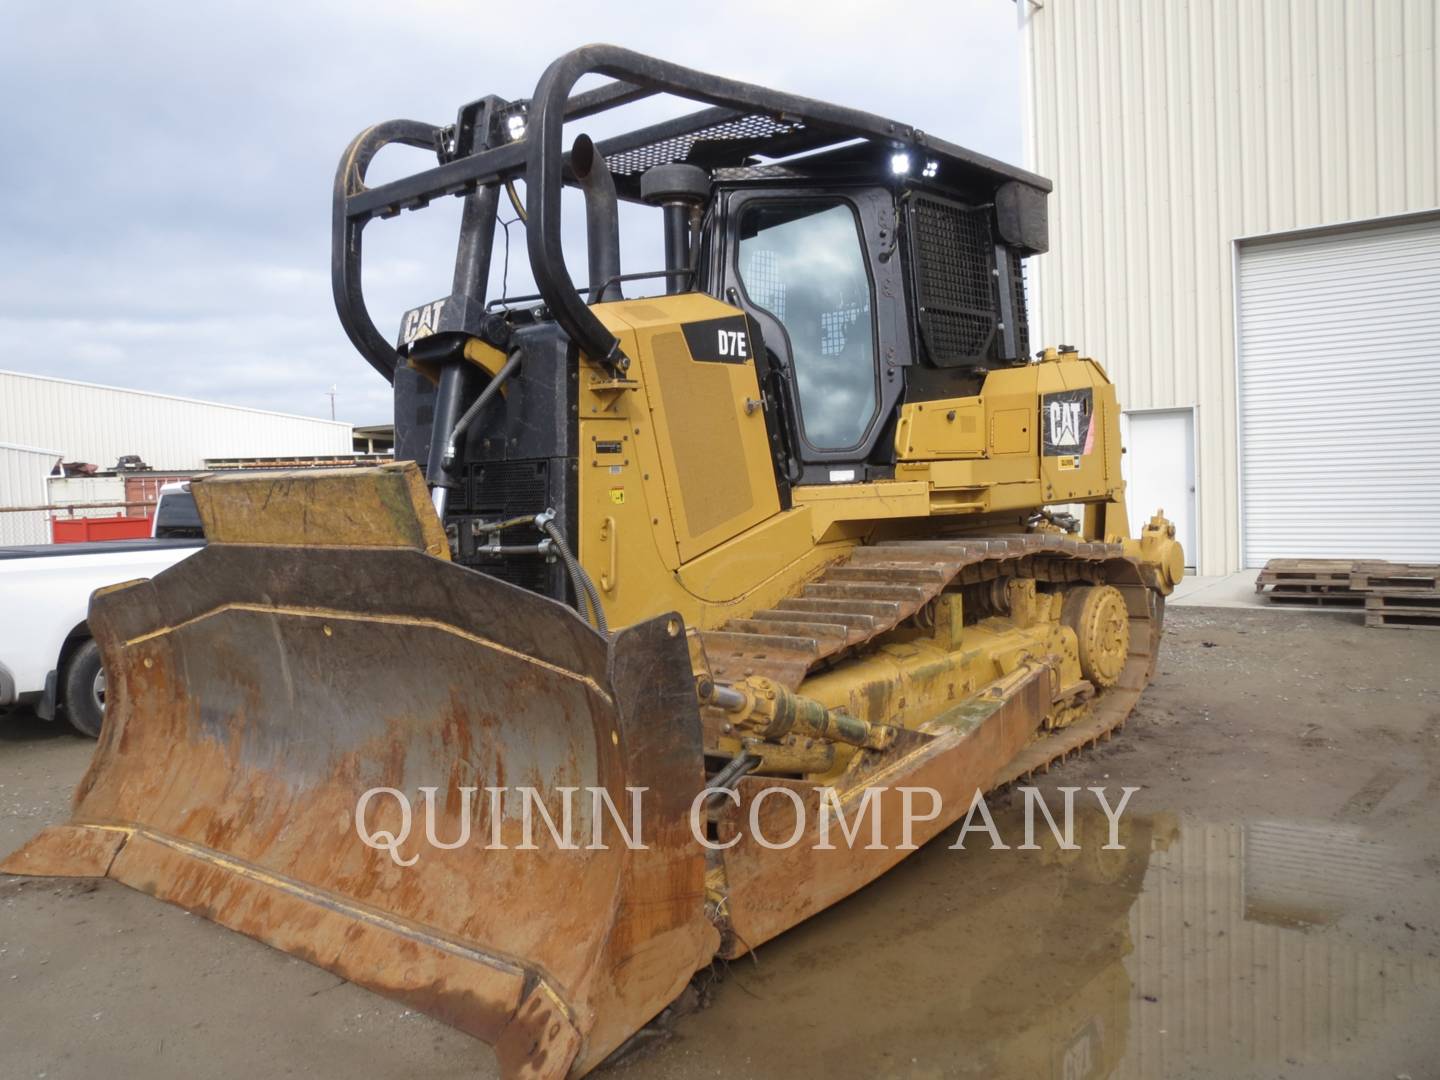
{"x": 166, "y": 173}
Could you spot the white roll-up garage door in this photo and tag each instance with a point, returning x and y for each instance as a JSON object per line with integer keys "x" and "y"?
{"x": 1339, "y": 394}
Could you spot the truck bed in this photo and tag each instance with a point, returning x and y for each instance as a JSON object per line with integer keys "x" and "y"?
{"x": 94, "y": 547}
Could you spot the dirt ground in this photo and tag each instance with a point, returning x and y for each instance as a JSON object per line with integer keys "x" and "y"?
{"x": 1276, "y": 913}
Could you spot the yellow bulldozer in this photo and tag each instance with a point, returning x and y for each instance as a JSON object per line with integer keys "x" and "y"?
{"x": 800, "y": 527}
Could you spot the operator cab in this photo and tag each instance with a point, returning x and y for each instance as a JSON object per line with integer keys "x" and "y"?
{"x": 869, "y": 287}
{"x": 874, "y": 265}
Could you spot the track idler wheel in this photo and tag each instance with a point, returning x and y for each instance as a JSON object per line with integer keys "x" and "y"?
{"x": 1101, "y": 622}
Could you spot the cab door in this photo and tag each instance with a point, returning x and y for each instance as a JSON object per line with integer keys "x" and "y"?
{"x": 807, "y": 267}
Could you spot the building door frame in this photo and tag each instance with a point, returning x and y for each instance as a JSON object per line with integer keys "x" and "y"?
{"x": 1250, "y": 240}
{"x": 1192, "y": 414}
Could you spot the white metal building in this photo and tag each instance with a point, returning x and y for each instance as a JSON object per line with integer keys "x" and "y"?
{"x": 1245, "y": 231}
{"x": 100, "y": 424}
{"x": 23, "y": 478}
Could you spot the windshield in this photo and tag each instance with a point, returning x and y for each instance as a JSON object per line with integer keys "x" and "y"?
{"x": 803, "y": 262}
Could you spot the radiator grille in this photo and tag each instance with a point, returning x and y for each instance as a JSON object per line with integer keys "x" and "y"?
{"x": 504, "y": 489}
{"x": 498, "y": 490}
{"x": 1022, "y": 321}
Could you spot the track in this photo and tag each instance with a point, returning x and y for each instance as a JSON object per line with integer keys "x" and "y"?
{"x": 877, "y": 588}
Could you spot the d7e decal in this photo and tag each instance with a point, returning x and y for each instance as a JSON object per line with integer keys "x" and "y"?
{"x": 725, "y": 340}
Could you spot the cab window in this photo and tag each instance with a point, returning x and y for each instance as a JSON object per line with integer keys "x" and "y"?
{"x": 804, "y": 263}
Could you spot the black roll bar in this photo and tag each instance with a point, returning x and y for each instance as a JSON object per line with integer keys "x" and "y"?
{"x": 345, "y": 230}
{"x": 539, "y": 158}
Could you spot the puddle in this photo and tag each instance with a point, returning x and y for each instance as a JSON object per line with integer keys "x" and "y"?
{"x": 1202, "y": 950}
{"x": 1301, "y": 873}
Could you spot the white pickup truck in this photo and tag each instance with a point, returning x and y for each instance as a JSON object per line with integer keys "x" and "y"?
{"x": 47, "y": 657}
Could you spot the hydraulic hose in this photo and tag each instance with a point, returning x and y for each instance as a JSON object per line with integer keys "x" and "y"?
{"x": 492, "y": 388}
{"x": 585, "y": 591}
{"x": 515, "y": 202}
{"x": 737, "y": 767}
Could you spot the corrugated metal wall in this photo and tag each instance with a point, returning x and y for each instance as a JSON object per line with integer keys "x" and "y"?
{"x": 100, "y": 423}
{"x": 23, "y": 472}
{"x": 1173, "y": 127}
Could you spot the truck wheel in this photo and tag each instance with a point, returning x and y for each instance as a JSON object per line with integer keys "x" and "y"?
{"x": 84, "y": 689}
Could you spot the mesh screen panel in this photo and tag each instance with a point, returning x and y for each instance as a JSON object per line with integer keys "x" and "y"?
{"x": 835, "y": 327}
{"x": 762, "y": 281}
{"x": 953, "y": 256}
{"x": 1022, "y": 320}
{"x": 690, "y": 146}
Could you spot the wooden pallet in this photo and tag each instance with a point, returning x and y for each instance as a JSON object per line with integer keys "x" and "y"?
{"x": 1352, "y": 583}
{"x": 1412, "y": 609}
{"x": 1329, "y": 573}
{"x": 1388, "y": 576}
{"x": 1316, "y": 598}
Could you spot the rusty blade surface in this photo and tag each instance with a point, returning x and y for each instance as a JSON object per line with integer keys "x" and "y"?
{"x": 256, "y": 692}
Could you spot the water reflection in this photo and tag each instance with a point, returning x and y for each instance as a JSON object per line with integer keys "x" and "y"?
{"x": 1224, "y": 973}
{"x": 1198, "y": 951}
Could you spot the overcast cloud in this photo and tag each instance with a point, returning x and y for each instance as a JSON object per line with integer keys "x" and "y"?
{"x": 167, "y": 167}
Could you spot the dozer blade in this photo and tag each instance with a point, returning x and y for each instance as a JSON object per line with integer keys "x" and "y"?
{"x": 258, "y": 690}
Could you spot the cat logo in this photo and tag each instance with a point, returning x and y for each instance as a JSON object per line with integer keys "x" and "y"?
{"x": 1066, "y": 425}
{"x": 420, "y": 322}
{"x": 1064, "y": 420}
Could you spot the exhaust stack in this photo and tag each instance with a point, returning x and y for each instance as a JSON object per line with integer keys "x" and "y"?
{"x": 602, "y": 218}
